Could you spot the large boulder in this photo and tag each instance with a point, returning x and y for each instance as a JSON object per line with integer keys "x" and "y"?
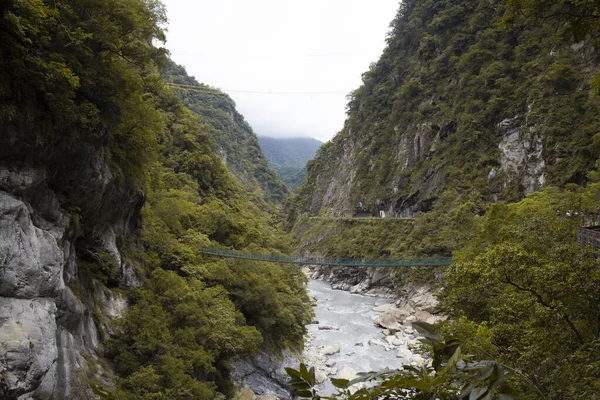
{"x": 346, "y": 373}
{"x": 424, "y": 301}
{"x": 330, "y": 350}
{"x": 392, "y": 319}
{"x": 320, "y": 376}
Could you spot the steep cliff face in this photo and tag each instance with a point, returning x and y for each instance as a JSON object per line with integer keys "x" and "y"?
{"x": 237, "y": 144}
{"x": 70, "y": 165}
{"x": 459, "y": 100}
{"x": 52, "y": 314}
{"x": 91, "y": 141}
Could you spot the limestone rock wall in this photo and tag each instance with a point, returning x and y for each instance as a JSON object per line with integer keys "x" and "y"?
{"x": 332, "y": 188}
{"x": 521, "y": 155}
{"x": 51, "y": 315}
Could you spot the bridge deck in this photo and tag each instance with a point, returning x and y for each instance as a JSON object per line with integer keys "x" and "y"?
{"x": 345, "y": 262}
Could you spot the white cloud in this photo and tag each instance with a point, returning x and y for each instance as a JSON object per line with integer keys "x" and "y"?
{"x": 282, "y": 46}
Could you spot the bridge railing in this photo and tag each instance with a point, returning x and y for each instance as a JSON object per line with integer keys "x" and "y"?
{"x": 350, "y": 262}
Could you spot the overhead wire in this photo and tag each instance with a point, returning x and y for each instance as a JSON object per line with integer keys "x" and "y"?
{"x": 280, "y": 56}
{"x": 216, "y": 91}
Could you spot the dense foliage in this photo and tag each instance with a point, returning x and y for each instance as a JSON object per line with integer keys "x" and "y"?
{"x": 237, "y": 144}
{"x": 446, "y": 228}
{"x": 581, "y": 18}
{"x": 351, "y": 238}
{"x": 428, "y": 115}
{"x": 522, "y": 292}
{"x": 288, "y": 156}
{"x": 526, "y": 294}
{"x": 193, "y": 202}
{"x": 234, "y": 307}
{"x": 81, "y": 98}
{"x": 72, "y": 79}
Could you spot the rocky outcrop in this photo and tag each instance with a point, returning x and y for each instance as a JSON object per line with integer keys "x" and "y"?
{"x": 420, "y": 125}
{"x": 416, "y": 304}
{"x": 332, "y": 192}
{"x": 370, "y": 281}
{"x": 28, "y": 346}
{"x": 266, "y": 375}
{"x": 521, "y": 157}
{"x": 52, "y": 314}
{"x": 32, "y": 259}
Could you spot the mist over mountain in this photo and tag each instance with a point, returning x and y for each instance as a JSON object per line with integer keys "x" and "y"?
{"x": 150, "y": 251}
{"x": 288, "y": 156}
{"x": 237, "y": 144}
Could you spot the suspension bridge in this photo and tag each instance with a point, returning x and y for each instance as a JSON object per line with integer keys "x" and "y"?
{"x": 342, "y": 262}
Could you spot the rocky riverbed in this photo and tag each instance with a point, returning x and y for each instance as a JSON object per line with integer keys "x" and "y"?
{"x": 350, "y": 333}
{"x": 358, "y": 333}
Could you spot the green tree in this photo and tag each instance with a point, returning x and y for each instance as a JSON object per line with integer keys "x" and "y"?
{"x": 176, "y": 340}
{"x": 583, "y": 17}
{"x": 82, "y": 99}
{"x": 525, "y": 279}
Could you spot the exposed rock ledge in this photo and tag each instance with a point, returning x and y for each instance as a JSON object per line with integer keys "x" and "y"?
{"x": 48, "y": 333}
{"x": 370, "y": 281}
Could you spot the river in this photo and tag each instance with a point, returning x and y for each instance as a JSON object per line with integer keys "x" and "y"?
{"x": 362, "y": 344}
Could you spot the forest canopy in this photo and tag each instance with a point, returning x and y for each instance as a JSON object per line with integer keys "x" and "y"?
{"x": 79, "y": 81}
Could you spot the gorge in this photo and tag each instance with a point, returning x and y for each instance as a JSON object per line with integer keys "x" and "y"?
{"x": 474, "y": 137}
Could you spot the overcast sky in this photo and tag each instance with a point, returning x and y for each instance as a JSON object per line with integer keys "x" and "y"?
{"x": 284, "y": 47}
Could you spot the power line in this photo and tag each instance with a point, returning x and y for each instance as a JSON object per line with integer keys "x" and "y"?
{"x": 214, "y": 91}
{"x": 283, "y": 93}
{"x": 278, "y": 56}
{"x": 196, "y": 88}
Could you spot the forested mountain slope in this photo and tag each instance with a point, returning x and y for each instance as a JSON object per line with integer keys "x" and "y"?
{"x": 237, "y": 145}
{"x": 288, "y": 156}
{"x": 460, "y": 100}
{"x": 487, "y": 118}
{"x": 108, "y": 186}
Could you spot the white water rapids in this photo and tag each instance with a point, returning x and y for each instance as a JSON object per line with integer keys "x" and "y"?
{"x": 361, "y": 342}
{"x": 362, "y": 345}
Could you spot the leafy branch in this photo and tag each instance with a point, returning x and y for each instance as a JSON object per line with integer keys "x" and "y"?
{"x": 452, "y": 375}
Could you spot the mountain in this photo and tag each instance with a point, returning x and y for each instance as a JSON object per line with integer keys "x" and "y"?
{"x": 237, "y": 145}
{"x": 477, "y": 133}
{"x": 288, "y": 156}
{"x": 460, "y": 100}
{"x": 109, "y": 186}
